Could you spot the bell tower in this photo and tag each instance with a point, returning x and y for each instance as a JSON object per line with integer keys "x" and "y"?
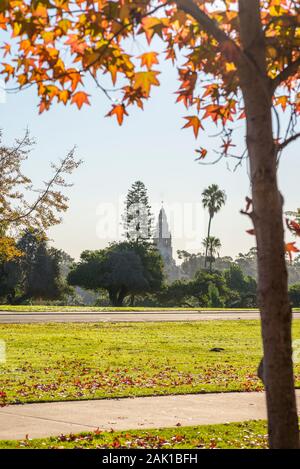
{"x": 163, "y": 238}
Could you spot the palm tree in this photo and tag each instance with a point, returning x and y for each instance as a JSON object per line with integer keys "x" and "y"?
{"x": 213, "y": 199}
{"x": 213, "y": 246}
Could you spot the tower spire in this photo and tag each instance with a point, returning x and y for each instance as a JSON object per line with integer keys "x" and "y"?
{"x": 160, "y": 221}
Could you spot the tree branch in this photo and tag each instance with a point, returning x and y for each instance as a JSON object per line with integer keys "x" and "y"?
{"x": 63, "y": 167}
{"x": 210, "y": 26}
{"x": 289, "y": 140}
{"x": 288, "y": 71}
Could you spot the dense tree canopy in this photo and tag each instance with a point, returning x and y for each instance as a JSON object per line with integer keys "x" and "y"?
{"x": 244, "y": 285}
{"x": 212, "y": 248}
{"x": 230, "y": 288}
{"x": 122, "y": 269}
{"x": 35, "y": 274}
{"x": 206, "y": 289}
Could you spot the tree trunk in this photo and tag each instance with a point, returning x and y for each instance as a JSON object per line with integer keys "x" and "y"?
{"x": 211, "y": 258}
{"x": 113, "y": 297}
{"x": 267, "y": 217}
{"x": 207, "y": 242}
{"x": 121, "y": 296}
{"x": 132, "y": 300}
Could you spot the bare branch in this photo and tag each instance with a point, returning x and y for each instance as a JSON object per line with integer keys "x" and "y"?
{"x": 249, "y": 214}
{"x": 289, "y": 140}
{"x": 66, "y": 165}
{"x": 15, "y": 210}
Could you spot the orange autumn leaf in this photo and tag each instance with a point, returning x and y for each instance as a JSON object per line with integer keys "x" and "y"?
{"x": 194, "y": 122}
{"x": 52, "y": 91}
{"x": 76, "y": 44}
{"x": 9, "y": 70}
{"x": 144, "y": 81}
{"x": 202, "y": 152}
{"x": 148, "y": 25}
{"x": 113, "y": 69}
{"x": 293, "y": 226}
{"x": 119, "y": 111}
{"x": 80, "y": 98}
{"x": 75, "y": 78}
{"x": 226, "y": 145}
{"x": 290, "y": 248}
{"x": 151, "y": 26}
{"x": 212, "y": 110}
{"x": 220, "y": 112}
{"x": 282, "y": 101}
{"x": 148, "y": 59}
{"x": 64, "y": 96}
{"x": 44, "y": 106}
{"x": 3, "y": 22}
{"x": 22, "y": 79}
{"x": 6, "y": 48}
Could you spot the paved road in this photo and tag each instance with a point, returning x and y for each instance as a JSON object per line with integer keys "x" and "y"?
{"x": 110, "y": 316}
{"x": 41, "y": 420}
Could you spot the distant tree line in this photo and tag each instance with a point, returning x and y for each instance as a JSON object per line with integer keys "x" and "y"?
{"x": 131, "y": 272}
{"x": 191, "y": 263}
{"x": 45, "y": 274}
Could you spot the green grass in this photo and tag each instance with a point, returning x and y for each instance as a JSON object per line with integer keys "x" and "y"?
{"x": 49, "y": 362}
{"x": 44, "y": 308}
{"x": 234, "y": 435}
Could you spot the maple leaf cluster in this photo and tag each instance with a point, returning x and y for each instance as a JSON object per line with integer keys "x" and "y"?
{"x": 57, "y": 45}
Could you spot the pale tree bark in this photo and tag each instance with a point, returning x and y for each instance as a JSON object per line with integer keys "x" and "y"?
{"x": 267, "y": 217}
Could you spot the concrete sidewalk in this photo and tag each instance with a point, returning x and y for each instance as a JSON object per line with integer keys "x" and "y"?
{"x": 54, "y": 418}
{"x": 115, "y": 316}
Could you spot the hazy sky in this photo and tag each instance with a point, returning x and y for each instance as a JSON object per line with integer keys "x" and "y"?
{"x": 149, "y": 146}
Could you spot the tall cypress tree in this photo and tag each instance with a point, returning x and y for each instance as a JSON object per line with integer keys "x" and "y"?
{"x": 138, "y": 218}
{"x": 43, "y": 280}
{"x": 39, "y": 273}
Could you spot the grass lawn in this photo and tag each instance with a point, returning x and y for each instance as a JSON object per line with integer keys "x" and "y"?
{"x": 44, "y": 308}
{"x": 47, "y": 362}
{"x": 234, "y": 435}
